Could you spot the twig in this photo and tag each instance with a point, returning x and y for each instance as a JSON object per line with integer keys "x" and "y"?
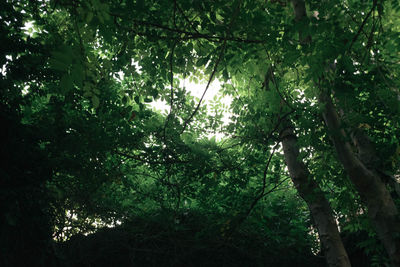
{"x": 193, "y": 35}
{"x": 138, "y": 158}
{"x": 174, "y": 16}
{"x": 260, "y": 195}
{"x": 187, "y": 121}
{"x": 187, "y": 20}
{"x": 362, "y": 25}
{"x": 172, "y": 89}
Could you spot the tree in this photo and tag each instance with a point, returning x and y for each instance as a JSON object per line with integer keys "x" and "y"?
{"x": 371, "y": 187}
{"x": 316, "y": 80}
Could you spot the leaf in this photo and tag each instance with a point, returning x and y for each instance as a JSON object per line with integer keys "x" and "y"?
{"x": 95, "y": 101}
{"x": 66, "y": 83}
{"x": 58, "y": 65}
{"x": 225, "y": 74}
{"x": 77, "y": 74}
{"x": 63, "y": 56}
{"x": 202, "y": 62}
{"x": 124, "y": 100}
{"x": 271, "y": 85}
{"x": 89, "y": 17}
{"x": 154, "y": 94}
{"x": 61, "y": 59}
{"x": 187, "y": 138}
{"x": 87, "y": 94}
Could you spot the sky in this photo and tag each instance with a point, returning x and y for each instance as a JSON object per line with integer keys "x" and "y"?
{"x": 196, "y": 90}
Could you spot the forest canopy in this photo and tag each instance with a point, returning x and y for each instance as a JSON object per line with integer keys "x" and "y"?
{"x": 305, "y": 172}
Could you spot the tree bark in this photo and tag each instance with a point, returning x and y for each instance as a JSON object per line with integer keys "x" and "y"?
{"x": 366, "y": 152}
{"x": 318, "y": 205}
{"x": 373, "y": 192}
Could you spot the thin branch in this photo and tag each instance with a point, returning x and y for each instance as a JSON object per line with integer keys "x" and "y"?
{"x": 172, "y": 89}
{"x": 265, "y": 176}
{"x": 262, "y": 193}
{"x": 354, "y": 20}
{"x": 174, "y": 16}
{"x": 277, "y": 89}
{"x": 370, "y": 39}
{"x": 196, "y": 35}
{"x": 139, "y": 158}
{"x": 172, "y": 77}
{"x": 81, "y": 46}
{"x": 192, "y": 35}
{"x": 187, "y": 19}
{"x": 363, "y": 24}
{"x": 187, "y": 121}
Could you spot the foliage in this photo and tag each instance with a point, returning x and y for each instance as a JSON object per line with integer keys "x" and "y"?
{"x": 85, "y": 150}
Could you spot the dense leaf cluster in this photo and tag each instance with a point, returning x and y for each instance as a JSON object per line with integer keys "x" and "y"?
{"x": 85, "y": 153}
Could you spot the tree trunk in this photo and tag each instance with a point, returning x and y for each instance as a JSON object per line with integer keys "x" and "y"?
{"x": 373, "y": 192}
{"x": 318, "y": 205}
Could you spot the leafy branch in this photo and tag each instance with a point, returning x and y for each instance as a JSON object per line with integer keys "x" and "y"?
{"x": 187, "y": 121}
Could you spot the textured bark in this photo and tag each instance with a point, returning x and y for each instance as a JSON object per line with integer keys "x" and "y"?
{"x": 366, "y": 152}
{"x": 381, "y": 208}
{"x": 318, "y": 205}
{"x": 373, "y": 192}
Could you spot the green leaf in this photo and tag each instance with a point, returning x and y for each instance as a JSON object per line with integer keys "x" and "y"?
{"x": 89, "y": 17}
{"x": 77, "y": 74}
{"x": 63, "y": 56}
{"x": 202, "y": 62}
{"x": 58, "y": 65}
{"x": 271, "y": 85}
{"x": 66, "y": 83}
{"x": 95, "y": 101}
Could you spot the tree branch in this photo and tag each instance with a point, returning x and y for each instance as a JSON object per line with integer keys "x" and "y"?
{"x": 363, "y": 24}
{"x": 139, "y": 158}
{"x": 187, "y": 121}
{"x": 193, "y": 35}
